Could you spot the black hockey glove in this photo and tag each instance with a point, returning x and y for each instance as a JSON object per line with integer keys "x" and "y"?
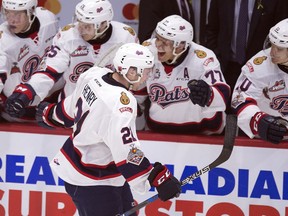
{"x": 44, "y": 115}
{"x": 268, "y": 127}
{"x": 21, "y": 97}
{"x": 200, "y": 92}
{"x": 166, "y": 184}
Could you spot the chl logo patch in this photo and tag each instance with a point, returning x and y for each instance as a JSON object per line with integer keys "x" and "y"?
{"x": 135, "y": 156}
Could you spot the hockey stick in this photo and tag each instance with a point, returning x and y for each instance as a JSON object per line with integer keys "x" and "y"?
{"x": 229, "y": 139}
{"x": 108, "y": 55}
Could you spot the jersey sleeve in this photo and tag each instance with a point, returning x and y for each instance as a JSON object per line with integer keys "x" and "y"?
{"x": 125, "y": 146}
{"x": 51, "y": 68}
{"x": 244, "y": 99}
{"x": 215, "y": 78}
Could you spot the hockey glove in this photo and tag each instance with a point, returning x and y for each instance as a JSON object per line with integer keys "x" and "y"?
{"x": 200, "y": 92}
{"x": 44, "y": 115}
{"x": 268, "y": 127}
{"x": 166, "y": 184}
{"x": 21, "y": 97}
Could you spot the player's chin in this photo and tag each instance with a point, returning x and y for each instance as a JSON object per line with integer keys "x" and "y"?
{"x": 86, "y": 37}
{"x": 161, "y": 56}
{"x": 276, "y": 61}
{"x": 14, "y": 29}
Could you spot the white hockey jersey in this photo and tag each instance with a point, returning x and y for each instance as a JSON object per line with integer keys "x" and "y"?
{"x": 261, "y": 86}
{"x": 104, "y": 148}
{"x": 71, "y": 56}
{"x": 171, "y": 109}
{"x": 20, "y": 57}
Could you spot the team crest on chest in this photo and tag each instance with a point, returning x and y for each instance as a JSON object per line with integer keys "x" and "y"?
{"x": 280, "y": 103}
{"x": 124, "y": 99}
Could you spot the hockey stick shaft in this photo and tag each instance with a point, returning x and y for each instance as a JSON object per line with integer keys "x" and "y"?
{"x": 108, "y": 55}
{"x": 229, "y": 140}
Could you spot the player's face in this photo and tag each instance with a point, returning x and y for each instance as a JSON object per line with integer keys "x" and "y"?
{"x": 166, "y": 48}
{"x": 18, "y": 21}
{"x": 88, "y": 30}
{"x": 134, "y": 76}
{"x": 278, "y": 55}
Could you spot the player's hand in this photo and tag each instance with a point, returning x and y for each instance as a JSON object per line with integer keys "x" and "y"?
{"x": 44, "y": 114}
{"x": 269, "y": 127}
{"x": 21, "y": 97}
{"x": 166, "y": 184}
{"x": 200, "y": 92}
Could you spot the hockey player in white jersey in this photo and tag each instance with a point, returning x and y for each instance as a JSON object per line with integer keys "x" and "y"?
{"x": 176, "y": 108}
{"x": 260, "y": 95}
{"x": 104, "y": 153}
{"x": 75, "y": 49}
{"x": 25, "y": 37}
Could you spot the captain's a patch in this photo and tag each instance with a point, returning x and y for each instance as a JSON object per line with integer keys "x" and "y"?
{"x": 135, "y": 156}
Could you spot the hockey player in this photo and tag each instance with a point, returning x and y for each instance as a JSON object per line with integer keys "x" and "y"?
{"x": 75, "y": 49}
{"x": 104, "y": 153}
{"x": 260, "y": 95}
{"x": 25, "y": 37}
{"x": 176, "y": 108}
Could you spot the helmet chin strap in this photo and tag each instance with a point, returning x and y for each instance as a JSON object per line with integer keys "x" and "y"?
{"x": 30, "y": 21}
{"x": 285, "y": 63}
{"x": 97, "y": 35}
{"x": 176, "y": 56}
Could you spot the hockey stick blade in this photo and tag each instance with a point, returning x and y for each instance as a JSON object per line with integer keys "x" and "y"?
{"x": 229, "y": 140}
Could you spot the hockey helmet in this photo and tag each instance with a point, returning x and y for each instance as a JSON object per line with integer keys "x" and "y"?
{"x": 176, "y": 29}
{"x": 133, "y": 55}
{"x": 278, "y": 34}
{"x": 19, "y": 5}
{"x": 94, "y": 12}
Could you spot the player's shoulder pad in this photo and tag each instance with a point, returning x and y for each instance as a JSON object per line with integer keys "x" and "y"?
{"x": 204, "y": 56}
{"x": 258, "y": 62}
{"x": 67, "y": 27}
{"x": 121, "y": 27}
{"x": 45, "y": 14}
{"x": 147, "y": 43}
{"x": 65, "y": 34}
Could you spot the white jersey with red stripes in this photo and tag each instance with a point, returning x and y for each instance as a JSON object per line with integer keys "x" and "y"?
{"x": 20, "y": 57}
{"x": 171, "y": 107}
{"x": 71, "y": 56}
{"x": 104, "y": 148}
{"x": 261, "y": 86}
